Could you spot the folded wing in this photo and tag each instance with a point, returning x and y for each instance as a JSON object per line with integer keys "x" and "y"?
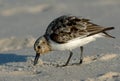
{"x": 66, "y": 28}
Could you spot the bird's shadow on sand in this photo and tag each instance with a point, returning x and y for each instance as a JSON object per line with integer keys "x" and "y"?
{"x": 8, "y": 58}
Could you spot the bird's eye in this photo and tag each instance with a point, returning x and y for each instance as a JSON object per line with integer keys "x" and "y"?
{"x": 43, "y": 42}
{"x": 38, "y": 47}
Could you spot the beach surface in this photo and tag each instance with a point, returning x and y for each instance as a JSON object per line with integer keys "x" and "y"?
{"x": 23, "y": 21}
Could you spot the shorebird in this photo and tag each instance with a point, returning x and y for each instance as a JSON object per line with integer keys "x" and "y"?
{"x": 68, "y": 32}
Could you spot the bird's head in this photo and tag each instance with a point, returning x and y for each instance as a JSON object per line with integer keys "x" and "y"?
{"x": 41, "y": 46}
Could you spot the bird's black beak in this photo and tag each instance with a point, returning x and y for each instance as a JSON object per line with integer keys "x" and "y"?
{"x": 36, "y": 58}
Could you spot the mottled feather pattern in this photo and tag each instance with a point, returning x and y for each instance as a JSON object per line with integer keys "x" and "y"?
{"x": 67, "y": 33}
{"x": 66, "y": 28}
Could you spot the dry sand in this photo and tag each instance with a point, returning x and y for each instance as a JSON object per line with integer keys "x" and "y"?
{"x": 23, "y": 21}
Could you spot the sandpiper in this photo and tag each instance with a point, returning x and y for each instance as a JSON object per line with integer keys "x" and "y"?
{"x": 68, "y": 32}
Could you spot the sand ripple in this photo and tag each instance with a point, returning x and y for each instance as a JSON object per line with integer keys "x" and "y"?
{"x": 110, "y": 76}
{"x": 14, "y": 43}
{"x": 26, "y": 9}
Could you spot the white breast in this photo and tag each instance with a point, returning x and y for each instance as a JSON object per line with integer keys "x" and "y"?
{"x": 72, "y": 44}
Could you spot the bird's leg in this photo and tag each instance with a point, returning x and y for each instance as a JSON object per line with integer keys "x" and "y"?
{"x": 81, "y": 55}
{"x": 68, "y": 59}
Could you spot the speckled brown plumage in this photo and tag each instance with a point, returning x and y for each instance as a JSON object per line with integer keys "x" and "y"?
{"x": 66, "y": 33}
{"x": 68, "y": 27}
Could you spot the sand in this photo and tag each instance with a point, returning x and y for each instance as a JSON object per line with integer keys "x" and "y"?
{"x": 23, "y": 21}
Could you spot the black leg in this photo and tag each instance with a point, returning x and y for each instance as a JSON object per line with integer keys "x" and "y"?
{"x": 68, "y": 59}
{"x": 81, "y": 55}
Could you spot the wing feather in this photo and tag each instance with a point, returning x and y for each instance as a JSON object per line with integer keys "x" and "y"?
{"x": 66, "y": 28}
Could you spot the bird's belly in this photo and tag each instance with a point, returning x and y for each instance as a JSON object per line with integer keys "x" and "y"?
{"x": 72, "y": 44}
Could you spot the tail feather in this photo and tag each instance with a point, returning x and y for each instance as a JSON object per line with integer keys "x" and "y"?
{"x": 106, "y": 34}
{"x": 109, "y": 28}
{"x": 103, "y": 31}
